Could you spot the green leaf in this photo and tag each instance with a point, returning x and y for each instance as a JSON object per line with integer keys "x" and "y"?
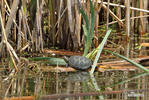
{"x": 92, "y": 20}
{"x": 101, "y": 46}
{"x": 85, "y": 18}
{"x": 85, "y": 33}
{"x": 128, "y": 60}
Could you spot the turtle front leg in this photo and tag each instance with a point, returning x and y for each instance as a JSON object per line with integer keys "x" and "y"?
{"x": 66, "y": 65}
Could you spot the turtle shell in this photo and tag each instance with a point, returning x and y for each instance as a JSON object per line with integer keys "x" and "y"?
{"x": 79, "y": 62}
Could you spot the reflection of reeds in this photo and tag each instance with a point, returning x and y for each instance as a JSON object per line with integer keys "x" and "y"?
{"x": 53, "y": 85}
{"x": 31, "y": 25}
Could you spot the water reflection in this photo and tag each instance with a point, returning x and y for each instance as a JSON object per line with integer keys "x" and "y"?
{"x": 48, "y": 83}
{"x": 80, "y": 76}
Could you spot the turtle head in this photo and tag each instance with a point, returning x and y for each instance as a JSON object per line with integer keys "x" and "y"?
{"x": 66, "y": 59}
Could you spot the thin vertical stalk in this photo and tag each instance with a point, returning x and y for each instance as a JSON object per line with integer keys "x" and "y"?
{"x": 7, "y": 44}
{"x": 119, "y": 13}
{"x": 132, "y": 29}
{"x": 71, "y": 23}
{"x": 127, "y": 17}
{"x": 9, "y": 22}
{"x": 39, "y": 28}
{"x": 19, "y": 32}
{"x": 145, "y": 5}
{"x": 107, "y": 25}
{"x": 127, "y": 2}
{"x": 78, "y": 22}
{"x": 141, "y": 19}
{"x": 11, "y": 16}
{"x": 51, "y": 19}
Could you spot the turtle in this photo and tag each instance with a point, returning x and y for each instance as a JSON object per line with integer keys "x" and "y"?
{"x": 78, "y": 62}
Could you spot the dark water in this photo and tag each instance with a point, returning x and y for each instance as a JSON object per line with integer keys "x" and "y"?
{"x": 77, "y": 85}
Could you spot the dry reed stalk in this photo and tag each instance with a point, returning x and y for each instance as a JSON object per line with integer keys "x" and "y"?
{"x": 97, "y": 11}
{"x": 13, "y": 52}
{"x": 70, "y": 6}
{"x": 26, "y": 46}
{"x": 77, "y": 22}
{"x": 7, "y": 91}
{"x": 122, "y": 6}
{"x": 114, "y": 16}
{"x": 9, "y": 24}
{"x": 7, "y": 44}
{"x": 145, "y": 21}
{"x": 141, "y": 20}
{"x": 39, "y": 41}
{"x": 51, "y": 20}
{"x": 60, "y": 14}
{"x": 118, "y": 13}
{"x": 59, "y": 23}
{"x": 132, "y": 18}
{"x": 26, "y": 25}
{"x": 127, "y": 3}
{"x": 11, "y": 16}
{"x": 3, "y": 11}
{"x": 107, "y": 26}
{"x": 19, "y": 42}
{"x": 127, "y": 28}
{"x": 132, "y": 22}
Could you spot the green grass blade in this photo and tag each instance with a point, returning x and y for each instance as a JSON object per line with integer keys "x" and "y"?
{"x": 85, "y": 33}
{"x": 128, "y": 60}
{"x": 99, "y": 51}
{"x": 85, "y": 18}
{"x": 92, "y": 54}
{"x": 92, "y": 20}
{"x": 87, "y": 43}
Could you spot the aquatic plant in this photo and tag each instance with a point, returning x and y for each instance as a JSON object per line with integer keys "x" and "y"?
{"x": 98, "y": 50}
{"x": 129, "y": 60}
{"x": 88, "y": 28}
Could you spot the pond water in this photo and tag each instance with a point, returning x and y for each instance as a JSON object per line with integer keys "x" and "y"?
{"x": 80, "y": 85}
{"x": 111, "y": 85}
